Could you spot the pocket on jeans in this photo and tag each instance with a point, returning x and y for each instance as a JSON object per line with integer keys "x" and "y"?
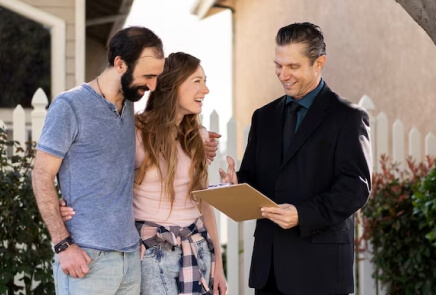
{"x": 93, "y": 254}
{"x": 151, "y": 252}
{"x": 200, "y": 248}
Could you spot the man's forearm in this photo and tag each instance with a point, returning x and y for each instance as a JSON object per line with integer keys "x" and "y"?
{"x": 47, "y": 200}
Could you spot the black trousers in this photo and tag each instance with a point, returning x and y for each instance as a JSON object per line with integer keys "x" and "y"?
{"x": 271, "y": 286}
{"x": 262, "y": 292}
{"x": 267, "y": 292}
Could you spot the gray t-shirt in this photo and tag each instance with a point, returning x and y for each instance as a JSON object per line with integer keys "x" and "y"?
{"x": 97, "y": 146}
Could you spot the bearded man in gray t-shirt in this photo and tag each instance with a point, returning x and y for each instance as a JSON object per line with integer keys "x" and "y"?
{"x": 88, "y": 140}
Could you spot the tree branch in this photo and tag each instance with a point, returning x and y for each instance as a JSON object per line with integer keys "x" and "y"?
{"x": 424, "y": 13}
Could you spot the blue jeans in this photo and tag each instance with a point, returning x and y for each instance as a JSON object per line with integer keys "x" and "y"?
{"x": 109, "y": 273}
{"x": 160, "y": 268}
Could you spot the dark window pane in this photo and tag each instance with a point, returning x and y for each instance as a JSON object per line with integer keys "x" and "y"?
{"x": 24, "y": 59}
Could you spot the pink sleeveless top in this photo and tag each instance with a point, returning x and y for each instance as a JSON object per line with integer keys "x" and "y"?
{"x": 150, "y": 205}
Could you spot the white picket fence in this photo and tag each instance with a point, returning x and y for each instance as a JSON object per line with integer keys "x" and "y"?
{"x": 239, "y": 236}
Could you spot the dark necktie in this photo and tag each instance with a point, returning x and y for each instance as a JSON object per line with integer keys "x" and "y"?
{"x": 290, "y": 125}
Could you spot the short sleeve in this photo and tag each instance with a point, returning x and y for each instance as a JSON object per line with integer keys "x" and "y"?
{"x": 60, "y": 129}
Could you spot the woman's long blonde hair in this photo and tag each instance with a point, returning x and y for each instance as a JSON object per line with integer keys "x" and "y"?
{"x": 160, "y": 133}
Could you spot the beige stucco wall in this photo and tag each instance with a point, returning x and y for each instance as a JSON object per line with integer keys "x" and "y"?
{"x": 373, "y": 47}
{"x": 64, "y": 9}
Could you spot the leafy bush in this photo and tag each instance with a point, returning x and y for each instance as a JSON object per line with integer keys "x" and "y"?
{"x": 25, "y": 248}
{"x": 404, "y": 260}
{"x": 424, "y": 201}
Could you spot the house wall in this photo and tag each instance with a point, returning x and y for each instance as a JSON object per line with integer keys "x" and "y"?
{"x": 65, "y": 10}
{"x": 96, "y": 58}
{"x": 373, "y": 47}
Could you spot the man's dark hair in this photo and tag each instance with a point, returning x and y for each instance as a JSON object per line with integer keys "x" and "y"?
{"x": 128, "y": 44}
{"x": 307, "y": 33}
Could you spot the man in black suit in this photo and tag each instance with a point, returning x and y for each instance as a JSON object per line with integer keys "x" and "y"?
{"x": 320, "y": 178}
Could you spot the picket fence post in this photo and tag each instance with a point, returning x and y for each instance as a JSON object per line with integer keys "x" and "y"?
{"x": 381, "y": 141}
{"x": 378, "y": 133}
{"x": 430, "y": 145}
{"x": 398, "y": 154}
{"x": 232, "y": 226}
{"x": 366, "y": 103}
{"x": 39, "y": 103}
{"x": 19, "y": 125}
{"x": 415, "y": 144}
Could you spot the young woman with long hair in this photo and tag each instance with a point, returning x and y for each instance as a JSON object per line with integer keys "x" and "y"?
{"x": 181, "y": 251}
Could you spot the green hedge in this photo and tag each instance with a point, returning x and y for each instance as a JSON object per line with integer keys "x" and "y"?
{"x": 25, "y": 247}
{"x": 424, "y": 202}
{"x": 399, "y": 222}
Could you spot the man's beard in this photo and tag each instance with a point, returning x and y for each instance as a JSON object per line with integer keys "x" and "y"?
{"x": 131, "y": 92}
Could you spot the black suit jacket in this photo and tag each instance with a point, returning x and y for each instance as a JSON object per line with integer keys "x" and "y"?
{"x": 327, "y": 175}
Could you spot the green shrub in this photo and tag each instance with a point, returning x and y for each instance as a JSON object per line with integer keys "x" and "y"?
{"x": 25, "y": 247}
{"x": 424, "y": 202}
{"x": 404, "y": 260}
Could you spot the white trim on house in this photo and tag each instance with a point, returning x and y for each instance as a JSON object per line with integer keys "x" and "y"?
{"x": 201, "y": 7}
{"x": 80, "y": 43}
{"x": 58, "y": 39}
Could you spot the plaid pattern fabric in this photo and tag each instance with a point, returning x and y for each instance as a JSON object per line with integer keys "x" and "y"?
{"x": 191, "y": 280}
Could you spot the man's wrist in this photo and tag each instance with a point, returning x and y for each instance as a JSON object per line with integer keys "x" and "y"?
{"x": 63, "y": 245}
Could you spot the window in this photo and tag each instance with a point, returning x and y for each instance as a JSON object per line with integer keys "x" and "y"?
{"x": 24, "y": 59}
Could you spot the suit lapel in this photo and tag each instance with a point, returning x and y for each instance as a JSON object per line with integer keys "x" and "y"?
{"x": 314, "y": 117}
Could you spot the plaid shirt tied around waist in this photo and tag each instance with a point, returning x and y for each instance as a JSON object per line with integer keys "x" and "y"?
{"x": 191, "y": 280}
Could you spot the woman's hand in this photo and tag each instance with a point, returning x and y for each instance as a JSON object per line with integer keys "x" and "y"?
{"x": 219, "y": 281}
{"x": 230, "y": 175}
{"x": 66, "y": 212}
